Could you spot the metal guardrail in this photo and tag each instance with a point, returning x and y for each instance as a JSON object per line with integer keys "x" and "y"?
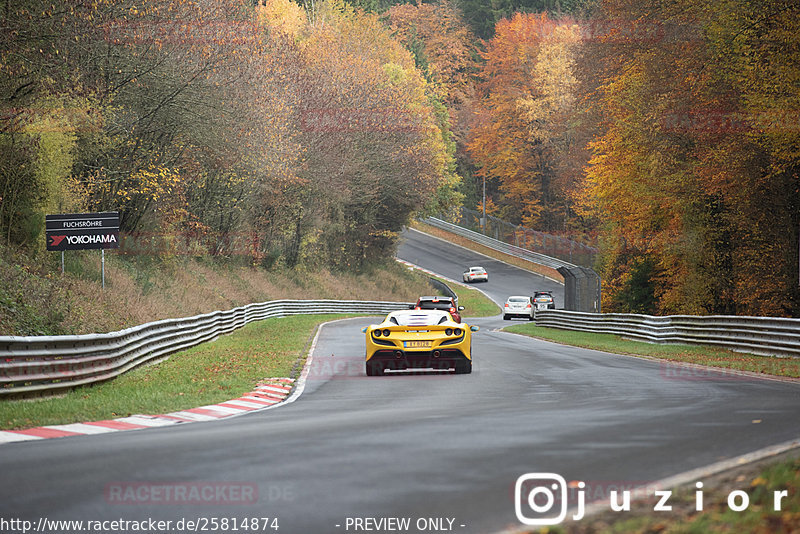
{"x": 767, "y": 336}
{"x": 552, "y": 245}
{"x": 582, "y": 287}
{"x": 32, "y": 365}
{"x": 499, "y": 246}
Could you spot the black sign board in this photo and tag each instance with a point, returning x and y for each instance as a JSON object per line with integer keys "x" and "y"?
{"x": 80, "y": 231}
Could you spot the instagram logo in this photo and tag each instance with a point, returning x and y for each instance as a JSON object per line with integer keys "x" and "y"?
{"x": 541, "y": 499}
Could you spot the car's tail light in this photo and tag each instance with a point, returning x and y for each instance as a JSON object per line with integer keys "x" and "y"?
{"x": 457, "y": 331}
{"x": 528, "y": 306}
{"x": 449, "y": 332}
{"x": 452, "y": 310}
{"x": 386, "y": 333}
{"x": 417, "y": 308}
{"x": 506, "y": 304}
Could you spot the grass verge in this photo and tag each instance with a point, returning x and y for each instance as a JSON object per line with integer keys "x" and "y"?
{"x": 695, "y": 354}
{"x": 759, "y": 481}
{"x": 507, "y": 258}
{"x": 207, "y": 374}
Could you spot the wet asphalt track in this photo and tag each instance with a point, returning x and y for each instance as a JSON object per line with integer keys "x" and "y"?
{"x": 421, "y": 445}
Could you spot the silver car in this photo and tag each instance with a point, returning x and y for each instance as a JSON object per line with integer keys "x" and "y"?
{"x": 518, "y": 306}
{"x": 475, "y": 274}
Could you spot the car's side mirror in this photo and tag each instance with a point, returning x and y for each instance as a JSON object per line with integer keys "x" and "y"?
{"x": 364, "y": 330}
{"x": 474, "y": 328}
{"x": 461, "y": 308}
{"x": 412, "y": 306}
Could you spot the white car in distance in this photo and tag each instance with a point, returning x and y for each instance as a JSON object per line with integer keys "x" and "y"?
{"x": 518, "y": 306}
{"x": 475, "y": 274}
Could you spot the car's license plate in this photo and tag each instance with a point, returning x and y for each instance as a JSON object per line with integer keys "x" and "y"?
{"x": 417, "y": 344}
{"x": 541, "y": 306}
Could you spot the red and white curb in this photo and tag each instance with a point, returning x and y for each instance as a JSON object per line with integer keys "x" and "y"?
{"x": 267, "y": 394}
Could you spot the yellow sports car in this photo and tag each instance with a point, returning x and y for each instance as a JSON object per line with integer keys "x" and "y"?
{"x": 419, "y": 339}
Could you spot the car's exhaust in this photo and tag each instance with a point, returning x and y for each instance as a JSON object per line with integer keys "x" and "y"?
{"x": 436, "y": 354}
{"x": 398, "y": 354}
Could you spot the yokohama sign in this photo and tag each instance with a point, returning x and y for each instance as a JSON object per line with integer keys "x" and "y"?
{"x": 76, "y": 231}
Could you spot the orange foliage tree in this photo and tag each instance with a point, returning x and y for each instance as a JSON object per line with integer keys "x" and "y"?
{"x": 695, "y": 166}
{"x": 372, "y": 151}
{"x": 527, "y": 96}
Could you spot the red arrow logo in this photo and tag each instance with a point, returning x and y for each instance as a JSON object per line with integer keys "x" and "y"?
{"x": 56, "y": 240}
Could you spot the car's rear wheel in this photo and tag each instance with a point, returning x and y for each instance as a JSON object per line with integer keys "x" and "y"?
{"x": 464, "y": 368}
{"x": 506, "y": 317}
{"x": 374, "y": 369}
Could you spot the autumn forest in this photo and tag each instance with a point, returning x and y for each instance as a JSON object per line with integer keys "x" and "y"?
{"x": 667, "y": 133}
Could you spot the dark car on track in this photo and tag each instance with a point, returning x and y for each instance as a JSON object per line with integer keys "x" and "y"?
{"x": 447, "y": 304}
{"x": 543, "y": 300}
